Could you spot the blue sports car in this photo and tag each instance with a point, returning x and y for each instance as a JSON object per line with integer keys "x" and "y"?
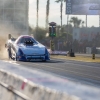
{"x": 26, "y": 48}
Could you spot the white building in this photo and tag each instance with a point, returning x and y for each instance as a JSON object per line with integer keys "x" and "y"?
{"x": 85, "y": 33}
{"x": 14, "y": 16}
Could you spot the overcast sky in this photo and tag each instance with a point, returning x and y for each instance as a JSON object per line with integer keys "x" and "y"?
{"x": 54, "y": 14}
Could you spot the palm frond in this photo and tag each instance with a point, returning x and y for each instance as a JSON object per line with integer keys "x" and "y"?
{"x": 57, "y": 1}
{"x": 60, "y": 1}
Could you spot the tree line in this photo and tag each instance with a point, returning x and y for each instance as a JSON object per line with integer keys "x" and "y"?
{"x": 63, "y": 40}
{"x": 63, "y": 34}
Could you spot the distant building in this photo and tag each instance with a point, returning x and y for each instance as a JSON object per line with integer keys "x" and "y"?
{"x": 84, "y": 33}
{"x": 14, "y": 16}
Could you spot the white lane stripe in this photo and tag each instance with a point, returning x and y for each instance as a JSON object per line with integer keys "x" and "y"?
{"x": 66, "y": 70}
{"x": 77, "y": 64}
{"x": 12, "y": 62}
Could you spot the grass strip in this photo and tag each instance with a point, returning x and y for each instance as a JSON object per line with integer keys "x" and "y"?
{"x": 77, "y": 58}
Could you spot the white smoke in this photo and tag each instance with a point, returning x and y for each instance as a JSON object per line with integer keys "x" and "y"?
{"x": 5, "y": 30}
{"x": 13, "y": 20}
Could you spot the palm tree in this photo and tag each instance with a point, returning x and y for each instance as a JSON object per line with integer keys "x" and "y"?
{"x": 75, "y": 21}
{"x": 83, "y": 23}
{"x": 47, "y": 12}
{"x": 37, "y": 3}
{"x": 61, "y": 6}
{"x": 78, "y": 23}
{"x": 37, "y": 16}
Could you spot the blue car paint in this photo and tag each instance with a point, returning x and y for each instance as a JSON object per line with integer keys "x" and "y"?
{"x": 20, "y": 49}
{"x": 21, "y": 57}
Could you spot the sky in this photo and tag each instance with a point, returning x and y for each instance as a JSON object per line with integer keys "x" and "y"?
{"x": 54, "y": 15}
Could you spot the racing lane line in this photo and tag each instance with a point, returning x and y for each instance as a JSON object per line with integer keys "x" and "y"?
{"x": 73, "y": 68}
{"x": 77, "y": 61}
{"x": 77, "y": 73}
{"x": 74, "y": 73}
{"x": 81, "y": 68}
{"x": 14, "y": 62}
{"x": 11, "y": 62}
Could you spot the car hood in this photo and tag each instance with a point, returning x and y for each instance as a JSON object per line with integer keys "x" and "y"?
{"x": 36, "y": 49}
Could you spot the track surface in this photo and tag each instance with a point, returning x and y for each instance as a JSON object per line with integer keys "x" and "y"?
{"x": 72, "y": 77}
{"x": 88, "y": 73}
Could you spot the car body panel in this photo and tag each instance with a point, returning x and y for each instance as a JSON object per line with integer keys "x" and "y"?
{"x": 28, "y": 50}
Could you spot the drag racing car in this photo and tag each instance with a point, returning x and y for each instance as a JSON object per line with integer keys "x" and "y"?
{"x": 26, "y": 48}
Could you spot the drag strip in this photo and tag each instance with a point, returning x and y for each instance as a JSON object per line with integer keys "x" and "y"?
{"x": 78, "y": 71}
{"x": 55, "y": 75}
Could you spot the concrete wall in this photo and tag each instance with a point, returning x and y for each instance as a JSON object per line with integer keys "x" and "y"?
{"x": 6, "y": 95}
{"x": 31, "y": 90}
{"x": 14, "y": 16}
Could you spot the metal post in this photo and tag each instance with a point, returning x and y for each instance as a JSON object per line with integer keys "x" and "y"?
{"x": 86, "y": 21}
{"x": 67, "y": 19}
{"x": 67, "y": 26}
{"x": 99, "y": 20}
{"x": 93, "y": 56}
{"x": 58, "y": 44}
{"x": 61, "y": 14}
{"x": 52, "y": 24}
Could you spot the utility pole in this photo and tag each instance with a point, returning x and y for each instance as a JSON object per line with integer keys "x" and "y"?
{"x": 99, "y": 20}
{"x": 86, "y": 21}
{"x": 67, "y": 19}
{"x": 37, "y": 16}
{"x": 61, "y": 14}
{"x": 67, "y": 26}
{"x": 47, "y": 14}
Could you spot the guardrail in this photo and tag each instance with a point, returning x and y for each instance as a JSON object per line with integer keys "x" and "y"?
{"x": 24, "y": 89}
{"x": 15, "y": 92}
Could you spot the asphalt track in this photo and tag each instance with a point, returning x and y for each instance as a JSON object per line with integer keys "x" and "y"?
{"x": 84, "y": 72}
{"x": 58, "y": 76}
